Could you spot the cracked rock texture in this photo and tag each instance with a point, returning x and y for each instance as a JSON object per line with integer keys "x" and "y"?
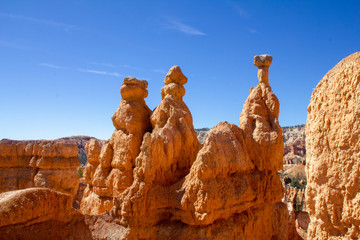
{"x": 333, "y": 153}
{"x": 42, "y": 163}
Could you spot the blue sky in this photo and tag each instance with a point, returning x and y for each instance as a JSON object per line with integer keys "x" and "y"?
{"x": 62, "y": 62}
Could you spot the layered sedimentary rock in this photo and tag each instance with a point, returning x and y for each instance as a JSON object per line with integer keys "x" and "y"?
{"x": 226, "y": 189}
{"x": 333, "y": 153}
{"x": 42, "y": 163}
{"x": 109, "y": 170}
{"x": 294, "y": 145}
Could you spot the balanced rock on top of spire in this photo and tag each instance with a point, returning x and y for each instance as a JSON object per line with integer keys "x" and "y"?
{"x": 109, "y": 170}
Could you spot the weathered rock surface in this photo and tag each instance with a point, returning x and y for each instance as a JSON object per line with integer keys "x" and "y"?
{"x": 166, "y": 156}
{"x": 33, "y": 205}
{"x": 259, "y": 121}
{"x": 159, "y": 182}
{"x": 40, "y": 163}
{"x": 294, "y": 144}
{"x": 227, "y": 189}
{"x": 302, "y": 221}
{"x": 40, "y": 213}
{"x": 202, "y": 134}
{"x": 333, "y": 153}
{"x": 109, "y": 170}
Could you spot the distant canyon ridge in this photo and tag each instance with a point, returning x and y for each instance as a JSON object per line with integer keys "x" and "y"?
{"x": 294, "y": 143}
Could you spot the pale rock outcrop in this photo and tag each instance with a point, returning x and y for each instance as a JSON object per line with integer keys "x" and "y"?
{"x": 294, "y": 144}
{"x": 109, "y": 170}
{"x": 42, "y": 163}
{"x": 333, "y": 153}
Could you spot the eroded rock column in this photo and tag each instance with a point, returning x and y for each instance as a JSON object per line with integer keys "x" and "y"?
{"x": 165, "y": 158}
{"x": 109, "y": 170}
{"x": 259, "y": 121}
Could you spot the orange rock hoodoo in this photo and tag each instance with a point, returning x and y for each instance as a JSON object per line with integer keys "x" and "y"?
{"x": 333, "y": 153}
{"x": 160, "y": 182}
{"x": 25, "y": 164}
{"x": 109, "y": 170}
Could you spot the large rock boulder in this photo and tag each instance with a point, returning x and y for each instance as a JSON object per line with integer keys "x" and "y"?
{"x": 333, "y": 153}
{"x": 40, "y": 213}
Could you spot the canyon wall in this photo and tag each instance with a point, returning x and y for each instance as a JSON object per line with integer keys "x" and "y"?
{"x": 333, "y": 153}
{"x": 294, "y": 145}
{"x": 42, "y": 163}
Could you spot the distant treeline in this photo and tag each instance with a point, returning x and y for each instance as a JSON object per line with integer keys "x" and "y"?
{"x": 301, "y": 125}
{"x": 202, "y": 129}
{"x": 207, "y": 129}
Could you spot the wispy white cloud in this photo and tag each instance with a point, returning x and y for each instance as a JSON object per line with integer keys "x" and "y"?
{"x": 114, "y": 74}
{"x": 49, "y": 65}
{"x": 179, "y": 26}
{"x": 11, "y": 45}
{"x": 51, "y": 23}
{"x": 239, "y": 9}
{"x": 159, "y": 71}
{"x": 253, "y": 31}
{"x": 103, "y": 64}
{"x": 130, "y": 67}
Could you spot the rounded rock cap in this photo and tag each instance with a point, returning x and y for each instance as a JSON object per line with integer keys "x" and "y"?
{"x": 175, "y": 75}
{"x": 133, "y": 81}
{"x": 263, "y": 60}
{"x": 133, "y": 88}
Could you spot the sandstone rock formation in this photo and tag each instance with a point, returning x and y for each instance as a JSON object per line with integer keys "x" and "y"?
{"x": 228, "y": 188}
{"x": 42, "y": 163}
{"x": 40, "y": 213}
{"x": 259, "y": 121}
{"x": 109, "y": 170}
{"x": 302, "y": 221}
{"x": 202, "y": 134}
{"x": 332, "y": 142}
{"x": 295, "y": 201}
{"x": 158, "y": 182}
{"x": 294, "y": 144}
{"x": 166, "y": 156}
{"x": 33, "y": 205}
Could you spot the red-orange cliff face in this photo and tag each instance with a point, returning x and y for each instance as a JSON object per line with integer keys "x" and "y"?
{"x": 42, "y": 163}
